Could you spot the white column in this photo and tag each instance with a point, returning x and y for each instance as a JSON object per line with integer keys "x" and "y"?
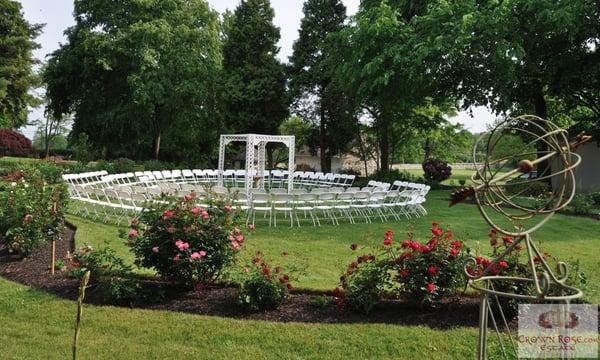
{"x": 291, "y": 162}
{"x": 222, "y": 144}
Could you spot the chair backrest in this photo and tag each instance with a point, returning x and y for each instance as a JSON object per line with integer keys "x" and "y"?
{"x": 299, "y": 191}
{"x": 261, "y": 197}
{"x": 279, "y": 191}
{"x": 327, "y": 196}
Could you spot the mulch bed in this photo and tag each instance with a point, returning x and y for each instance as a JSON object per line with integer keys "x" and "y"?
{"x": 218, "y": 300}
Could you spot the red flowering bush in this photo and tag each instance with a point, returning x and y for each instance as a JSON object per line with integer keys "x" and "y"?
{"x": 185, "y": 242}
{"x": 264, "y": 287}
{"x": 13, "y": 143}
{"x": 423, "y": 271}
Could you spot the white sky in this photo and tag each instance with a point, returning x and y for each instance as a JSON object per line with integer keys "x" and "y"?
{"x": 57, "y": 15}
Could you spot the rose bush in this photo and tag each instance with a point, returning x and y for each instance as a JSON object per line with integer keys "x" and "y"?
{"x": 422, "y": 271}
{"x": 185, "y": 242}
{"x": 263, "y": 287}
{"x": 31, "y": 212}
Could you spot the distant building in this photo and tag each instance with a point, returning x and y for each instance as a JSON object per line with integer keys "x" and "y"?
{"x": 587, "y": 174}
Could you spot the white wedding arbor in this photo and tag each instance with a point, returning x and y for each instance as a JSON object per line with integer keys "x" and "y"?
{"x": 255, "y": 157}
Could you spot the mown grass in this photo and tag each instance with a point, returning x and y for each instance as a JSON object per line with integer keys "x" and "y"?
{"x": 323, "y": 252}
{"x": 39, "y": 326}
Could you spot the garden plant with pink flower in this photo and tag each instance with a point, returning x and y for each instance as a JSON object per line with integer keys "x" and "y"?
{"x": 185, "y": 242}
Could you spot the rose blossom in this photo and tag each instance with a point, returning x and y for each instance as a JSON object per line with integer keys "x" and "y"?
{"x": 251, "y": 226}
{"x": 436, "y": 231}
{"x": 133, "y": 232}
{"x": 432, "y": 270}
{"x": 354, "y": 247}
{"x": 239, "y": 238}
{"x": 168, "y": 214}
{"x": 431, "y": 287}
{"x": 28, "y": 218}
{"x": 227, "y": 207}
{"x": 195, "y": 256}
{"x": 204, "y": 215}
{"x": 235, "y": 244}
{"x": 195, "y": 210}
{"x": 155, "y": 249}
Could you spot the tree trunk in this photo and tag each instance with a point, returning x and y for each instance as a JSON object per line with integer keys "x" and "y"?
{"x": 323, "y": 142}
{"x": 156, "y": 149}
{"x": 270, "y": 164}
{"x": 541, "y": 110}
{"x": 384, "y": 141}
{"x": 427, "y": 149}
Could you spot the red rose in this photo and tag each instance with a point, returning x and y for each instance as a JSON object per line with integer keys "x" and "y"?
{"x": 432, "y": 270}
{"x": 389, "y": 233}
{"x": 387, "y": 241}
{"x": 354, "y": 247}
{"x": 454, "y": 252}
{"x": 449, "y": 234}
{"x": 425, "y": 248}
{"x": 493, "y": 242}
{"x": 431, "y": 287}
{"x": 403, "y": 272}
{"x": 265, "y": 271}
{"x": 503, "y": 264}
{"x": 436, "y": 231}
{"x": 415, "y": 245}
{"x": 457, "y": 244}
{"x": 434, "y": 224}
{"x": 336, "y": 292}
{"x": 289, "y": 286}
{"x": 507, "y": 240}
{"x": 406, "y": 243}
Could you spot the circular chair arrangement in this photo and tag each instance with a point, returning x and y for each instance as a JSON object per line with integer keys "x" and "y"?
{"x": 315, "y": 198}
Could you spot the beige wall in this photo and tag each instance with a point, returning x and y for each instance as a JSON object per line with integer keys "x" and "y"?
{"x": 587, "y": 174}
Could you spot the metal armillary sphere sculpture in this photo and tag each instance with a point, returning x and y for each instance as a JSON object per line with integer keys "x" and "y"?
{"x": 501, "y": 187}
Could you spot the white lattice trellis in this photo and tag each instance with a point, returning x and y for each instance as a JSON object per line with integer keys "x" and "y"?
{"x": 255, "y": 156}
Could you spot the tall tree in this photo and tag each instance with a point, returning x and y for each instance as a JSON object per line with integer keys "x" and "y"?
{"x": 316, "y": 97}
{"x": 376, "y": 66}
{"x": 17, "y": 77}
{"x": 253, "y": 82}
{"x": 139, "y": 76}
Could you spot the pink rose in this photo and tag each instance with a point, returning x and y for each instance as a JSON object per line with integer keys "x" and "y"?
{"x": 240, "y": 238}
{"x": 202, "y": 253}
{"x": 227, "y": 207}
{"x": 195, "y": 256}
{"x": 155, "y": 249}
{"x": 168, "y": 214}
{"x": 133, "y": 232}
{"x": 235, "y": 245}
{"x": 251, "y": 226}
{"x": 176, "y": 257}
{"x": 204, "y": 215}
{"x": 188, "y": 197}
{"x": 195, "y": 210}
{"x": 230, "y": 238}
{"x": 237, "y": 230}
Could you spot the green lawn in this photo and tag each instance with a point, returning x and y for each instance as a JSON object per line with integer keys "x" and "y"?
{"x": 39, "y": 326}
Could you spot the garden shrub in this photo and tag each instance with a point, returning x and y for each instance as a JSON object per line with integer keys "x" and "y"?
{"x": 49, "y": 171}
{"x": 304, "y": 167}
{"x": 13, "y": 143}
{"x": 529, "y": 188}
{"x": 31, "y": 213}
{"x": 185, "y": 242}
{"x": 422, "y": 271}
{"x": 391, "y": 175}
{"x": 436, "y": 170}
{"x": 123, "y": 165}
{"x": 581, "y": 205}
{"x": 108, "y": 273}
{"x": 264, "y": 287}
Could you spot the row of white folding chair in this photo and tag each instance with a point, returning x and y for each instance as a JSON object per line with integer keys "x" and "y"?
{"x": 350, "y": 204}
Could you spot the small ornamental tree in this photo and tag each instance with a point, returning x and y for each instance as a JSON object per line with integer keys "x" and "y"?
{"x": 186, "y": 242}
{"x": 436, "y": 170}
{"x": 13, "y": 143}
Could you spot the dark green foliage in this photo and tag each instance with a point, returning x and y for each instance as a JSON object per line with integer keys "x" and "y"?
{"x": 108, "y": 274}
{"x": 253, "y": 94}
{"x": 527, "y": 188}
{"x": 139, "y": 77}
{"x": 364, "y": 286}
{"x": 17, "y": 77}
{"x": 581, "y": 205}
{"x": 392, "y": 175}
{"x": 317, "y": 98}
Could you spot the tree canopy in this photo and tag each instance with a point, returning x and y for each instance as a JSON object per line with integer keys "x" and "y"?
{"x": 17, "y": 76}
{"x": 139, "y": 75}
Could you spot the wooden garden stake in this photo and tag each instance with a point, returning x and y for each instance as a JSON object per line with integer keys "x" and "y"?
{"x": 53, "y": 259}
{"x": 84, "y": 282}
